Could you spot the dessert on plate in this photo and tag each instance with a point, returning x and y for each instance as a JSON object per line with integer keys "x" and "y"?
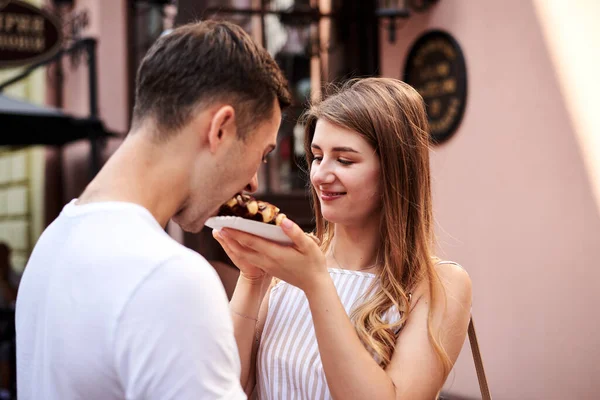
{"x": 246, "y": 206}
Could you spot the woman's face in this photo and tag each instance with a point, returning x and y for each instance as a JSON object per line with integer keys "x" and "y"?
{"x": 345, "y": 173}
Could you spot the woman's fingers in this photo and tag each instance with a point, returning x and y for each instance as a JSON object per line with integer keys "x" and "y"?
{"x": 234, "y": 251}
{"x": 294, "y": 264}
{"x": 241, "y": 253}
{"x": 314, "y": 238}
{"x": 256, "y": 243}
{"x": 298, "y": 236}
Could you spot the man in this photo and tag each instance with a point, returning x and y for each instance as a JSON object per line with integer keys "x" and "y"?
{"x": 110, "y": 307}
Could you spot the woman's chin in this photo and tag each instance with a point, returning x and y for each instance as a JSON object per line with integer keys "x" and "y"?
{"x": 344, "y": 219}
{"x": 331, "y": 217}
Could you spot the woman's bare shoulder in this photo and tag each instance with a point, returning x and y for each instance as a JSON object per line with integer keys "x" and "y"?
{"x": 455, "y": 283}
{"x": 455, "y": 280}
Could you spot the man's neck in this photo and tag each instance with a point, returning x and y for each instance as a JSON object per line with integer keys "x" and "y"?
{"x": 138, "y": 173}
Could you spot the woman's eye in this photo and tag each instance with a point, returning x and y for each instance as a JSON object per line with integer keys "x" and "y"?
{"x": 317, "y": 158}
{"x": 345, "y": 162}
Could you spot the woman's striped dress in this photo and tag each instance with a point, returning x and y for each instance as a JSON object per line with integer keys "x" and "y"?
{"x": 288, "y": 364}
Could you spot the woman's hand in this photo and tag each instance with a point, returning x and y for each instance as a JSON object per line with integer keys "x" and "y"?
{"x": 250, "y": 272}
{"x": 301, "y": 264}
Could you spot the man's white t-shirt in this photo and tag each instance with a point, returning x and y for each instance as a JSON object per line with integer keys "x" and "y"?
{"x": 110, "y": 307}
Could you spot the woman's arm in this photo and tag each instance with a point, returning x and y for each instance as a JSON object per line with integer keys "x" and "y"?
{"x": 350, "y": 369}
{"x": 415, "y": 371}
{"x": 248, "y": 307}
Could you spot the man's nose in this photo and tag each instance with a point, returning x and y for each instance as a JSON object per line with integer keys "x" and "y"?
{"x": 252, "y": 186}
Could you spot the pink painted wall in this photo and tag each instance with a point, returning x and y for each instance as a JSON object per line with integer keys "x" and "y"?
{"x": 108, "y": 25}
{"x": 514, "y": 205}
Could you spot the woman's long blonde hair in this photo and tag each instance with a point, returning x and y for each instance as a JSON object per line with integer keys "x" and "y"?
{"x": 390, "y": 115}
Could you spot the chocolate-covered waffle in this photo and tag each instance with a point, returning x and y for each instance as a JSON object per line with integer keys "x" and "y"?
{"x": 246, "y": 206}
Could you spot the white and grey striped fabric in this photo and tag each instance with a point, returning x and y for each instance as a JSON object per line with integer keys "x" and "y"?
{"x": 288, "y": 364}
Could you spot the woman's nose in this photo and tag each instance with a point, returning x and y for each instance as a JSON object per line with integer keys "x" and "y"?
{"x": 322, "y": 174}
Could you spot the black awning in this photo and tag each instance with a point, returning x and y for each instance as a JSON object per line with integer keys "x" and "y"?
{"x": 25, "y": 124}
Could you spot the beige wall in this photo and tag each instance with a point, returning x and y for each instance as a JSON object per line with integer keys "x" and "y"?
{"x": 514, "y": 204}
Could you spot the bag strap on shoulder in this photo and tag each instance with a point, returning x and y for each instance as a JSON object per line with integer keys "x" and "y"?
{"x": 483, "y": 384}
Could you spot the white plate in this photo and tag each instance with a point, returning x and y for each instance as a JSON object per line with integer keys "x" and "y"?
{"x": 267, "y": 231}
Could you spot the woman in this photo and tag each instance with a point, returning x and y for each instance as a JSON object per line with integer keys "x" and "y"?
{"x": 370, "y": 313}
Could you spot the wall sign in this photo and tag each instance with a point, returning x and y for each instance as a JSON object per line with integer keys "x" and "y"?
{"x": 435, "y": 67}
{"x": 27, "y": 34}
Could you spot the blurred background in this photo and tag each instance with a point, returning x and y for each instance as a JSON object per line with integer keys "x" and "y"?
{"x": 511, "y": 89}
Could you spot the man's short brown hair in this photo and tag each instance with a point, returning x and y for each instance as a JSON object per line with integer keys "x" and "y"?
{"x": 205, "y": 62}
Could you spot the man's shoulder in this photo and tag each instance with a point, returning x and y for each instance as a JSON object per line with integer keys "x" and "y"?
{"x": 183, "y": 284}
{"x": 187, "y": 261}
{"x": 125, "y": 235}
{"x": 163, "y": 258}
{"x": 124, "y": 241}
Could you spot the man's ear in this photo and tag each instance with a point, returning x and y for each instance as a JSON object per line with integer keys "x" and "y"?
{"x": 222, "y": 127}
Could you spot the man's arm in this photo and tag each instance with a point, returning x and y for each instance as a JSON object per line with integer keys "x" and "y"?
{"x": 174, "y": 339}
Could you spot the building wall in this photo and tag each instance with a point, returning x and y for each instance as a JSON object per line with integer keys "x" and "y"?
{"x": 514, "y": 192}
{"x": 108, "y": 25}
{"x": 22, "y": 176}
{"x": 36, "y": 182}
